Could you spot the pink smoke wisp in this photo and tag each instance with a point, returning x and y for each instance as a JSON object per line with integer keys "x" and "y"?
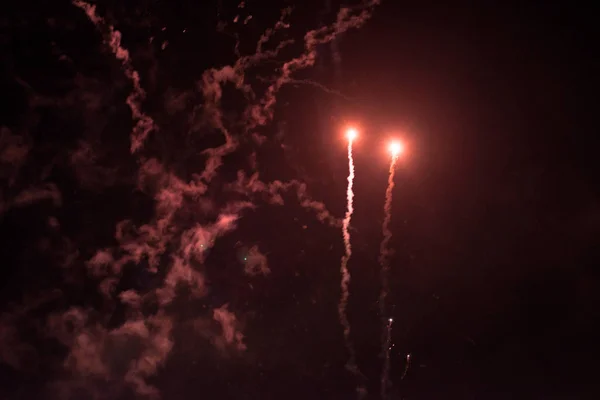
{"x": 129, "y": 355}
{"x": 144, "y": 124}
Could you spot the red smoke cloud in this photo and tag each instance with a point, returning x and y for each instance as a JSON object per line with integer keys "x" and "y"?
{"x": 175, "y": 241}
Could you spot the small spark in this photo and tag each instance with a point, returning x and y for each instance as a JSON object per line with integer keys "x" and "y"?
{"x": 406, "y": 367}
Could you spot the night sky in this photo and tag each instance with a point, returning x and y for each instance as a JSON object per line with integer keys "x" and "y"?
{"x": 173, "y": 183}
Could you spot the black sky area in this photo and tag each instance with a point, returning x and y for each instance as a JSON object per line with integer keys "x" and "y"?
{"x": 494, "y": 281}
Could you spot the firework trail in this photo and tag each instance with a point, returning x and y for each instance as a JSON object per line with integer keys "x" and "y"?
{"x": 384, "y": 254}
{"x": 406, "y": 366}
{"x": 351, "y": 364}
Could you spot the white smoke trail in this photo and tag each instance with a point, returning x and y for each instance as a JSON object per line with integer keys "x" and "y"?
{"x": 384, "y": 254}
{"x": 351, "y": 364}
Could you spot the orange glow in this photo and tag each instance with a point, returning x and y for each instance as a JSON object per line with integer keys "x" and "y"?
{"x": 395, "y": 148}
{"x": 351, "y": 134}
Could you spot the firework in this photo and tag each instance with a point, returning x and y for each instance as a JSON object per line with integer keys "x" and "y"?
{"x": 395, "y": 148}
{"x": 351, "y": 135}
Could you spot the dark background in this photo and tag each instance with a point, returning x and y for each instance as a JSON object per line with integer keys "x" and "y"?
{"x": 495, "y": 217}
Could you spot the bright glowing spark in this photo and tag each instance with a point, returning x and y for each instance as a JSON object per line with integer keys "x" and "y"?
{"x": 395, "y": 148}
{"x": 387, "y": 347}
{"x": 351, "y": 134}
{"x": 406, "y": 366}
{"x": 390, "y": 320}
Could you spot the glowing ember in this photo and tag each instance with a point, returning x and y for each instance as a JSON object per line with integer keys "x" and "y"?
{"x": 396, "y": 148}
{"x": 351, "y": 134}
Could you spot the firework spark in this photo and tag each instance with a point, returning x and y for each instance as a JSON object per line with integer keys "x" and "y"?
{"x": 387, "y": 346}
{"x": 406, "y": 366}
